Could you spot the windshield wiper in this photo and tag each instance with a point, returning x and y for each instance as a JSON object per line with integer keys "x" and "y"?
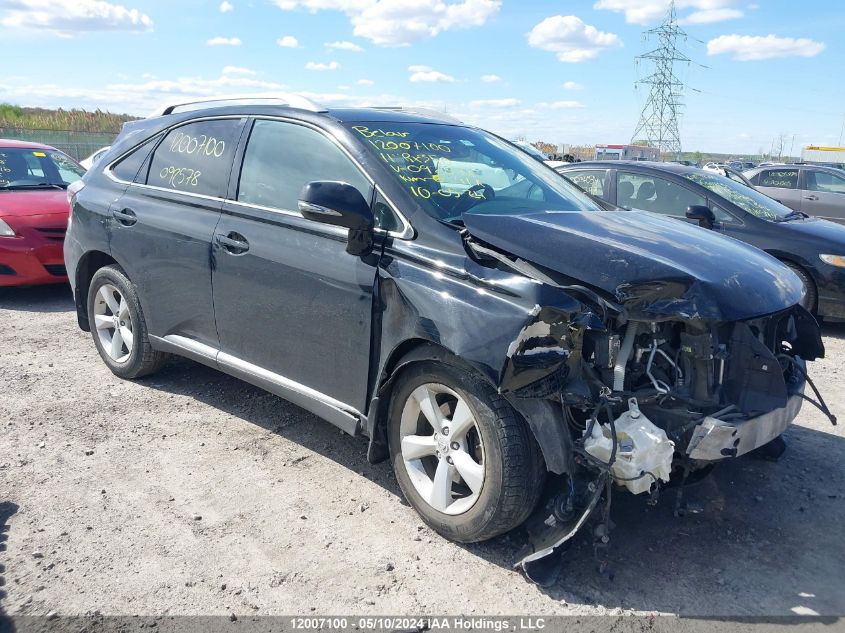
{"x": 793, "y": 215}
{"x": 33, "y": 185}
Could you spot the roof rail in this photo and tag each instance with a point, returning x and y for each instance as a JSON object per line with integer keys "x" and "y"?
{"x": 291, "y": 100}
{"x": 424, "y": 112}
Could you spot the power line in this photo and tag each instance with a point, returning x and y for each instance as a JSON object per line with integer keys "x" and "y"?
{"x": 658, "y": 124}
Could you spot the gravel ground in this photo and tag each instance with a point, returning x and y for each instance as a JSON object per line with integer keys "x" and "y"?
{"x": 190, "y": 492}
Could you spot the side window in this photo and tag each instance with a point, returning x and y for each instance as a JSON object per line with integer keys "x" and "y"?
{"x": 590, "y": 180}
{"x": 128, "y": 167}
{"x": 655, "y": 194}
{"x": 196, "y": 158}
{"x": 780, "y": 178}
{"x": 824, "y": 181}
{"x": 281, "y": 158}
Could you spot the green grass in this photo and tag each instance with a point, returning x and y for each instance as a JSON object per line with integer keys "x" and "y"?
{"x": 12, "y": 116}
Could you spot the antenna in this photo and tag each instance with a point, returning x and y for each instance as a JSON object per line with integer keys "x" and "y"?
{"x": 658, "y": 122}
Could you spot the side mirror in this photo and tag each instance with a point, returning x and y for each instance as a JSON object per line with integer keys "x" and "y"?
{"x": 705, "y": 216}
{"x": 340, "y": 204}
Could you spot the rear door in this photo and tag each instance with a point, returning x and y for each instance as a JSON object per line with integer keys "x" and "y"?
{"x": 780, "y": 183}
{"x": 293, "y": 308}
{"x": 824, "y": 194}
{"x": 161, "y": 227}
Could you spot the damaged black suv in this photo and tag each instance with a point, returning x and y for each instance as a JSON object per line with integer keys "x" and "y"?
{"x": 480, "y": 319}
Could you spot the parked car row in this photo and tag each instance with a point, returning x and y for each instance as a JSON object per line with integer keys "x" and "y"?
{"x": 486, "y": 323}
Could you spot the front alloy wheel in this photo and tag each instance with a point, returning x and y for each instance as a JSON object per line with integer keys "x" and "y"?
{"x": 442, "y": 448}
{"x": 464, "y": 458}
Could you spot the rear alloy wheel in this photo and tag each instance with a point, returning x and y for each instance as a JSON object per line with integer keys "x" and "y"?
{"x": 113, "y": 323}
{"x": 118, "y": 326}
{"x": 465, "y": 460}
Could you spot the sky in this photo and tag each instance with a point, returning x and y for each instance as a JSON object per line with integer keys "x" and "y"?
{"x": 559, "y": 71}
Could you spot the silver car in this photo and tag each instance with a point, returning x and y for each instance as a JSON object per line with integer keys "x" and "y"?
{"x": 811, "y": 189}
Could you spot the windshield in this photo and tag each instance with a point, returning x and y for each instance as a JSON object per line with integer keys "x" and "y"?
{"x": 451, "y": 170}
{"x": 23, "y": 168}
{"x": 743, "y": 196}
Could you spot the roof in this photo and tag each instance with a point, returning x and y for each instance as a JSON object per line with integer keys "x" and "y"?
{"x": 606, "y": 164}
{"x": 24, "y": 144}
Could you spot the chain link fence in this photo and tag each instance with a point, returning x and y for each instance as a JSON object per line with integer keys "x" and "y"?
{"x": 75, "y": 144}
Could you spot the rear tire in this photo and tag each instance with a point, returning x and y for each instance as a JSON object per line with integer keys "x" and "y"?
{"x": 118, "y": 326}
{"x": 481, "y": 473}
{"x": 809, "y": 296}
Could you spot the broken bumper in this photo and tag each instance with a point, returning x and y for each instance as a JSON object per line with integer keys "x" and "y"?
{"x": 714, "y": 440}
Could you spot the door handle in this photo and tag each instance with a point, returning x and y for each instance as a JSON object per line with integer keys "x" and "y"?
{"x": 126, "y": 217}
{"x": 812, "y": 196}
{"x": 233, "y": 243}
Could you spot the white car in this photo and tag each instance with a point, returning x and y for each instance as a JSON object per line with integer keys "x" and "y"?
{"x": 88, "y": 163}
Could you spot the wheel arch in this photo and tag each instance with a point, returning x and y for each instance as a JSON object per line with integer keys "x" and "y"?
{"x": 789, "y": 258}
{"x": 88, "y": 265}
{"x": 543, "y": 417}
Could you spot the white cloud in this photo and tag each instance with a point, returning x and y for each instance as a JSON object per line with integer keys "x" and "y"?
{"x": 649, "y": 11}
{"x": 399, "y": 22}
{"x": 288, "y": 41}
{"x": 490, "y": 79}
{"x": 562, "y": 105}
{"x": 572, "y": 39}
{"x": 70, "y": 17}
{"x": 321, "y": 66}
{"x": 572, "y": 85}
{"x": 224, "y": 41}
{"x": 426, "y": 74}
{"x": 709, "y": 16}
{"x": 344, "y": 46}
{"x": 225, "y": 6}
{"x": 365, "y": 82}
{"x": 755, "y": 47}
{"x": 495, "y": 103}
{"x": 238, "y": 70}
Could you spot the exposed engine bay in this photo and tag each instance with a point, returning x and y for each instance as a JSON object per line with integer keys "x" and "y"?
{"x": 650, "y": 401}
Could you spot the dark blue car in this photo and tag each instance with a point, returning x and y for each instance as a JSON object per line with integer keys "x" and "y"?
{"x": 814, "y": 249}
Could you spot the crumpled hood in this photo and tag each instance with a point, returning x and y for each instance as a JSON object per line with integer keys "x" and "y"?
{"x": 656, "y": 267}
{"x": 33, "y": 202}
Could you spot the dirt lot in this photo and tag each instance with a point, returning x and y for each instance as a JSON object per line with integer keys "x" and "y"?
{"x": 190, "y": 492}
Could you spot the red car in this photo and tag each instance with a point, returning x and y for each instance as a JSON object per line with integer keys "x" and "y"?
{"x": 33, "y": 212}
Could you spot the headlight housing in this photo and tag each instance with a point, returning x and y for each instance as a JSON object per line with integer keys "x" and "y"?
{"x": 833, "y": 260}
{"x": 6, "y": 230}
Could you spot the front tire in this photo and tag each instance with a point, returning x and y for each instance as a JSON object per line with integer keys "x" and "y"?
{"x": 118, "y": 326}
{"x": 808, "y": 292}
{"x": 465, "y": 460}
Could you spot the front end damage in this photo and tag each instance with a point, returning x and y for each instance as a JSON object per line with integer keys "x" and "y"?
{"x": 649, "y": 400}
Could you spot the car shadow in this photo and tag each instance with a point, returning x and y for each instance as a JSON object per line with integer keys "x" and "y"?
{"x": 834, "y": 329}
{"x": 748, "y": 552}
{"x": 50, "y": 298}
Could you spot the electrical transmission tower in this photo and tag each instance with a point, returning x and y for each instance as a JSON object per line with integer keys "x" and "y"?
{"x": 658, "y": 122}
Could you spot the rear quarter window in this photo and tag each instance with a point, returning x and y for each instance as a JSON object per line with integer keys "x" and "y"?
{"x": 127, "y": 168}
{"x": 196, "y": 157}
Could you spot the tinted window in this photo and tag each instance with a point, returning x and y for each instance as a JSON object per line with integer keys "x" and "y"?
{"x": 129, "y": 165}
{"x": 650, "y": 193}
{"x": 780, "y": 178}
{"x": 825, "y": 181}
{"x": 590, "y": 180}
{"x": 281, "y": 158}
{"x": 196, "y": 158}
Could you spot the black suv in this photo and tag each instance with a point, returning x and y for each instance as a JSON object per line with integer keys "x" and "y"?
{"x": 482, "y": 320}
